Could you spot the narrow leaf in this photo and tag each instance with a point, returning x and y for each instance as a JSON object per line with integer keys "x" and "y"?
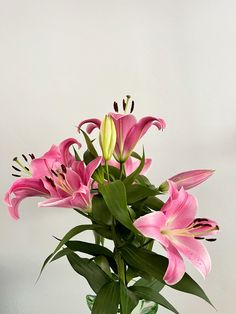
{"x": 130, "y": 179}
{"x": 155, "y": 265}
{"x": 128, "y": 299}
{"x": 114, "y": 195}
{"x": 151, "y": 295}
{"x": 107, "y": 299}
{"x": 137, "y": 192}
{"x": 88, "y": 269}
{"x": 89, "y": 143}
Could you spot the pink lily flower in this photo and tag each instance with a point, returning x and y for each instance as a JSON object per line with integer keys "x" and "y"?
{"x": 188, "y": 179}
{"x": 57, "y": 176}
{"x": 128, "y": 131}
{"x": 179, "y": 232}
{"x": 131, "y": 164}
{"x": 22, "y": 188}
{"x": 70, "y": 187}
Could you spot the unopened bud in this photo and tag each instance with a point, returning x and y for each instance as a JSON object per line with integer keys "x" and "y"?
{"x": 107, "y": 137}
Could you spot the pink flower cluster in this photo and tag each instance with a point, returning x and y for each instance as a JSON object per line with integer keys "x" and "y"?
{"x": 66, "y": 181}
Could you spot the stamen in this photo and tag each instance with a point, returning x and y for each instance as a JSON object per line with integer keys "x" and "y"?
{"x": 200, "y": 219}
{"x": 15, "y": 159}
{"x": 26, "y": 168}
{"x": 50, "y": 181}
{"x": 115, "y": 105}
{"x": 24, "y": 157}
{"x": 63, "y": 176}
{"x": 16, "y": 168}
{"x": 202, "y": 225}
{"x": 55, "y": 174}
{"x": 32, "y": 156}
{"x": 63, "y": 168}
{"x": 16, "y": 175}
{"x": 132, "y": 107}
{"x": 124, "y": 105}
{"x": 211, "y": 239}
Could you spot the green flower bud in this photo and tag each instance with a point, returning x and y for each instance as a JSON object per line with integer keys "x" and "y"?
{"x": 107, "y": 137}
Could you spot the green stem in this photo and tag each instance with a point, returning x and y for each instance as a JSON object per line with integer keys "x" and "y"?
{"x": 122, "y": 169}
{"x": 107, "y": 171}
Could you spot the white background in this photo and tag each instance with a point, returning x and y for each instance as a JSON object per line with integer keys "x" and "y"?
{"x": 63, "y": 61}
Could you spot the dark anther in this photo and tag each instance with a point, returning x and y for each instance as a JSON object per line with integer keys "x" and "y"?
{"x": 115, "y": 105}
{"x": 132, "y": 107}
{"x": 217, "y": 227}
{"x": 200, "y": 219}
{"x": 198, "y": 225}
{"x": 15, "y": 159}
{"x": 202, "y": 225}
{"x": 124, "y": 105}
{"x": 55, "y": 174}
{"x": 32, "y": 156}
{"x": 16, "y": 175}
{"x": 62, "y": 175}
{"x": 63, "y": 168}
{"x": 199, "y": 238}
{"x": 211, "y": 240}
{"x": 206, "y": 225}
{"x": 26, "y": 168}
{"x": 24, "y": 157}
{"x": 50, "y": 181}
{"x": 16, "y": 168}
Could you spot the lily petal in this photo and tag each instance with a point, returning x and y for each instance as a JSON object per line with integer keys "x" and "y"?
{"x": 93, "y": 124}
{"x": 22, "y": 188}
{"x": 66, "y": 157}
{"x": 180, "y": 210}
{"x": 138, "y": 131}
{"x": 195, "y": 252}
{"x": 176, "y": 267}
{"x": 150, "y": 226}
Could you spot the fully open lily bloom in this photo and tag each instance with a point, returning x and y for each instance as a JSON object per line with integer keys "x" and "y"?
{"x": 131, "y": 165}
{"x": 58, "y": 177}
{"x": 179, "y": 232}
{"x": 71, "y": 187}
{"x": 128, "y": 131}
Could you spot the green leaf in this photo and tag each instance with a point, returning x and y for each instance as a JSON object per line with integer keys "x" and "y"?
{"x": 87, "y": 268}
{"x": 130, "y": 179}
{"x": 150, "y": 309}
{"x": 77, "y": 157}
{"x": 107, "y": 299}
{"x": 153, "y": 203}
{"x": 151, "y": 295}
{"x": 88, "y": 157}
{"x": 137, "y": 192}
{"x": 100, "y": 211}
{"x": 102, "y": 262}
{"x": 155, "y": 265}
{"x": 90, "y": 145}
{"x": 90, "y": 300}
{"x": 114, "y": 195}
{"x": 188, "y": 285}
{"x": 92, "y": 249}
{"x": 73, "y": 232}
{"x": 128, "y": 299}
{"x": 152, "y": 283}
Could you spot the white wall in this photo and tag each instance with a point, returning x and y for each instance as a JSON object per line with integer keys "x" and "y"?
{"x": 63, "y": 61}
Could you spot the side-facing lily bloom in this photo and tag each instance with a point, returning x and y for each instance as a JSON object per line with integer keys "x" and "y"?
{"x": 179, "y": 232}
{"x": 131, "y": 165}
{"x": 128, "y": 131}
{"x": 188, "y": 179}
{"x": 58, "y": 177}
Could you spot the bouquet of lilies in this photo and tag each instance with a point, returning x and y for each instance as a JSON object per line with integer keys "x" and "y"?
{"x": 124, "y": 209}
